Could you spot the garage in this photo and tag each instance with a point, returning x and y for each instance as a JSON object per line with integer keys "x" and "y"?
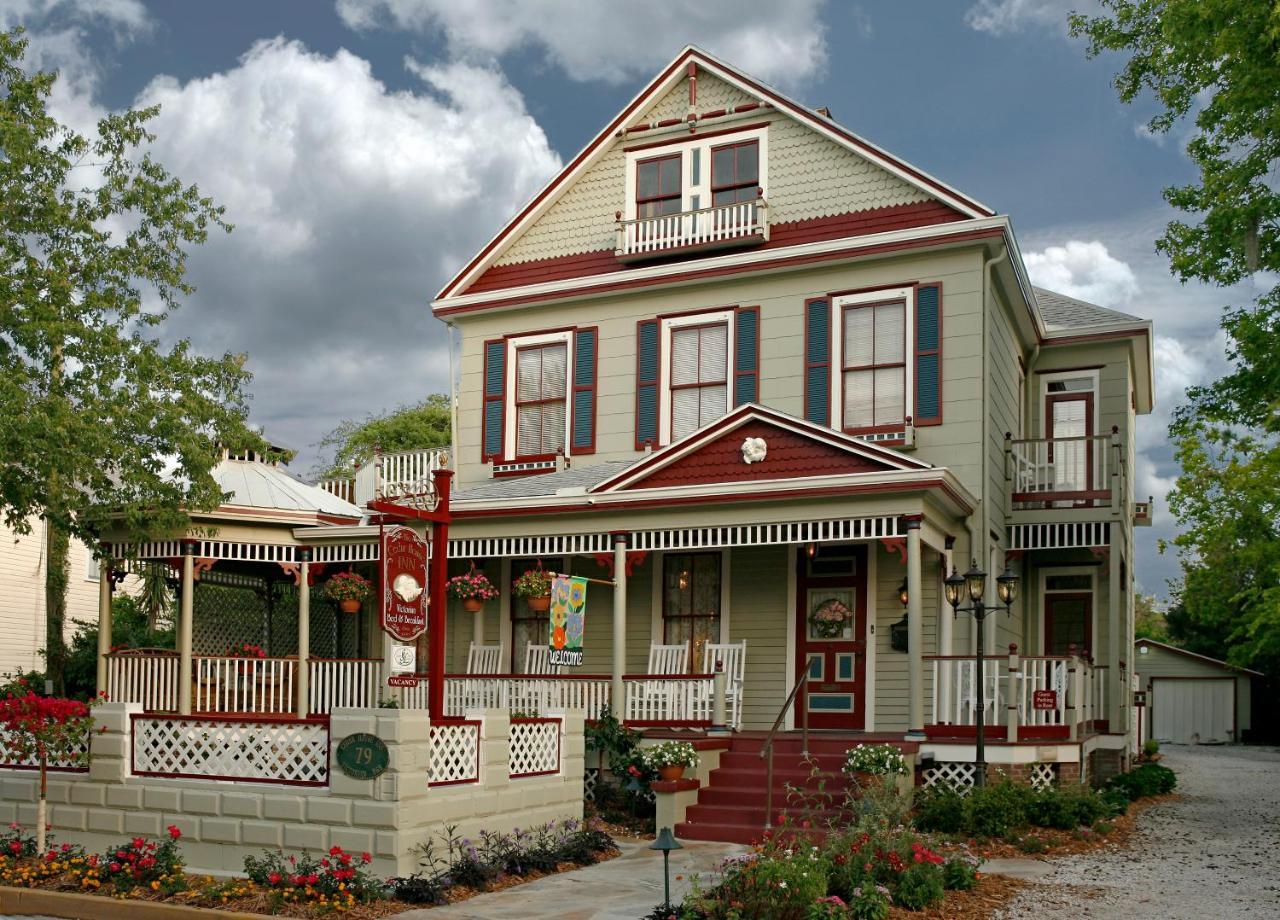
{"x": 1192, "y": 698}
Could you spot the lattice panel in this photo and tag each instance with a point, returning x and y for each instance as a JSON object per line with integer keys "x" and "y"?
{"x": 226, "y": 616}
{"x": 957, "y": 774}
{"x": 455, "y": 753}
{"x": 535, "y": 747}
{"x": 9, "y": 758}
{"x": 271, "y": 752}
{"x": 1043, "y": 776}
{"x": 589, "y": 780}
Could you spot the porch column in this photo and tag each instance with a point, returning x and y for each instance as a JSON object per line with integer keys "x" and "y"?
{"x": 436, "y": 577}
{"x": 915, "y": 632}
{"x": 618, "y": 699}
{"x": 303, "y": 705}
{"x": 946, "y": 622}
{"x": 1115, "y": 647}
{"x": 104, "y": 621}
{"x": 185, "y": 614}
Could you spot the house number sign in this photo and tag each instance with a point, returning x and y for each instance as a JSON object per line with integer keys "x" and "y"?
{"x": 363, "y": 756}
{"x": 404, "y": 583}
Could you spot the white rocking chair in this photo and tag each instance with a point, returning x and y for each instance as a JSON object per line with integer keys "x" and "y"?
{"x": 733, "y": 658}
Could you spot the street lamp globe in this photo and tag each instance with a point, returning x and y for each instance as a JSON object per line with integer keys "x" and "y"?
{"x": 1007, "y": 586}
{"x": 953, "y": 585}
{"x": 975, "y": 582}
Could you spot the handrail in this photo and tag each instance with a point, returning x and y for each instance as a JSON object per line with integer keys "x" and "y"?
{"x": 1078, "y": 437}
{"x": 766, "y": 749}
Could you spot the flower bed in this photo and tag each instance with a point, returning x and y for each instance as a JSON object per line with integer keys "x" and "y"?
{"x": 305, "y": 885}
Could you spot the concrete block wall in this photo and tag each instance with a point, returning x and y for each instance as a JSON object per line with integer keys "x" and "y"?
{"x": 224, "y": 821}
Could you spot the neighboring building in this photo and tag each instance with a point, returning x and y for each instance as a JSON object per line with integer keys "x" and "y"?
{"x": 1190, "y": 698}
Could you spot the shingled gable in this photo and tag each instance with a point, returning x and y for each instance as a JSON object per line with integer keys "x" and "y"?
{"x": 794, "y": 449}
{"x": 942, "y": 196}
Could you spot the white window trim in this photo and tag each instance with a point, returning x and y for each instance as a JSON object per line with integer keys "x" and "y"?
{"x": 1041, "y": 614}
{"x": 664, "y": 372}
{"x": 513, "y": 344}
{"x": 1047, "y": 378}
{"x": 703, "y": 188}
{"x": 907, "y": 296}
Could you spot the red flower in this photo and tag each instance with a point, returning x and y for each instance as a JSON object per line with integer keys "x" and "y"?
{"x": 15, "y": 846}
{"x": 274, "y": 878}
{"x": 174, "y": 833}
{"x": 365, "y": 857}
{"x": 312, "y": 878}
{"x": 335, "y": 851}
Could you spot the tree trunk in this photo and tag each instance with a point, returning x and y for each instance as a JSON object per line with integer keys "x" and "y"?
{"x": 57, "y": 544}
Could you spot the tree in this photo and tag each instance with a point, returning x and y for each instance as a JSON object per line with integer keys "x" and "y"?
{"x": 99, "y": 418}
{"x": 1149, "y": 621}
{"x": 1215, "y": 63}
{"x": 416, "y": 427}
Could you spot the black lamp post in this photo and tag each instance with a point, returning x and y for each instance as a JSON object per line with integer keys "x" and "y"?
{"x": 666, "y": 842}
{"x": 974, "y": 583}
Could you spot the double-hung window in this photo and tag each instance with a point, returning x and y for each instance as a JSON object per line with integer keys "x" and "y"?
{"x": 735, "y": 173}
{"x": 658, "y": 186}
{"x": 874, "y": 386}
{"x": 540, "y": 398}
{"x": 699, "y": 376}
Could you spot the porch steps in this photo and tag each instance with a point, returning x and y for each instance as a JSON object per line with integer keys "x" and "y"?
{"x": 731, "y": 807}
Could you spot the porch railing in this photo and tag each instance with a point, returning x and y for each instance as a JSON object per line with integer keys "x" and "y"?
{"x": 259, "y": 685}
{"x": 391, "y": 475}
{"x": 703, "y": 228}
{"x": 146, "y": 676}
{"x": 1078, "y": 471}
{"x": 346, "y": 682}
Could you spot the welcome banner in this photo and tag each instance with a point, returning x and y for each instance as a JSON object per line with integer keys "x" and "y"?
{"x": 568, "y": 620}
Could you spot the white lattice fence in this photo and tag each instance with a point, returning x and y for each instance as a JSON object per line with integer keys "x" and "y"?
{"x": 1043, "y": 776}
{"x": 294, "y": 753}
{"x": 455, "y": 753}
{"x": 535, "y": 747}
{"x": 956, "y": 774}
{"x": 589, "y": 781}
{"x": 10, "y": 758}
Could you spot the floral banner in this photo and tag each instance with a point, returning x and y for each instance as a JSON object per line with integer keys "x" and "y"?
{"x": 568, "y": 620}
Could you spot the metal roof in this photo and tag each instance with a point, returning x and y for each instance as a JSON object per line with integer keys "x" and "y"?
{"x": 548, "y": 484}
{"x": 254, "y": 484}
{"x": 1062, "y": 312}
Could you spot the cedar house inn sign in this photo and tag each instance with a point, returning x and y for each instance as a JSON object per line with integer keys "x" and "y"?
{"x": 404, "y": 579}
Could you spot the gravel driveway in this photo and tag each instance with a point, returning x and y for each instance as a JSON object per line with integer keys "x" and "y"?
{"x": 1214, "y": 854}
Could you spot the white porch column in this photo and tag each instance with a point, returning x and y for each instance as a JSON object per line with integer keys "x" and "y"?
{"x": 185, "y": 614}
{"x": 303, "y": 682}
{"x": 477, "y": 628}
{"x": 104, "y": 621}
{"x": 618, "y": 698}
{"x": 1116, "y": 688}
{"x": 946, "y": 625}
{"x": 915, "y": 631}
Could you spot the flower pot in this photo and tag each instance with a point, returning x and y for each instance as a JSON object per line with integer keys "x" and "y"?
{"x": 671, "y": 772}
{"x": 472, "y": 604}
{"x": 540, "y": 604}
{"x": 349, "y": 605}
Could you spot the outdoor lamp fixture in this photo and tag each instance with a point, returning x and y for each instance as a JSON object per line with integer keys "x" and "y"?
{"x": 898, "y": 631}
{"x": 666, "y": 842}
{"x": 974, "y": 584}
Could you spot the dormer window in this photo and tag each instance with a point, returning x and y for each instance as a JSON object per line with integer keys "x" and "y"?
{"x": 658, "y": 186}
{"x": 735, "y": 172}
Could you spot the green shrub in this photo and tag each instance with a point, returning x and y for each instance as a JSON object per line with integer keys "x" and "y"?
{"x": 919, "y": 887}
{"x": 871, "y": 902}
{"x": 1146, "y": 780}
{"x": 1150, "y": 747}
{"x": 1032, "y": 844}
{"x": 1065, "y": 809}
{"x": 994, "y": 811}
{"x": 782, "y": 886}
{"x": 1103, "y": 828}
{"x": 1116, "y": 801}
{"x": 959, "y": 874}
{"x": 940, "y": 809}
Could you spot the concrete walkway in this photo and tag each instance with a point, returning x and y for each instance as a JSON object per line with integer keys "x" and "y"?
{"x": 1212, "y": 855}
{"x": 625, "y": 888}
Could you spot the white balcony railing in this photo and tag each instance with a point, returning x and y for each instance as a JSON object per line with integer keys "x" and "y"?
{"x": 391, "y": 475}
{"x": 705, "y": 228}
{"x": 1074, "y": 687}
{"x": 1069, "y": 471}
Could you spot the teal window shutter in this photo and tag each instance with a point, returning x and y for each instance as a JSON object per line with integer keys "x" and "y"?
{"x": 495, "y": 387}
{"x": 647, "y": 366}
{"x": 817, "y": 361}
{"x": 746, "y": 356}
{"x": 928, "y": 357}
{"x": 585, "y": 343}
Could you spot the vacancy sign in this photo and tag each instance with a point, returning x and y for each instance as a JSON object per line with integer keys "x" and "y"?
{"x": 404, "y": 583}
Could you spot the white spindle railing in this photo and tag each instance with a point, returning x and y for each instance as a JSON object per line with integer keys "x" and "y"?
{"x": 953, "y": 700}
{"x": 958, "y": 674}
{"x": 1076, "y": 467}
{"x": 405, "y": 472}
{"x": 149, "y": 678}
{"x": 525, "y": 693}
{"x": 666, "y": 700}
{"x": 344, "y": 682}
{"x": 259, "y": 685}
{"x": 742, "y": 220}
{"x": 1042, "y": 674}
{"x": 344, "y": 489}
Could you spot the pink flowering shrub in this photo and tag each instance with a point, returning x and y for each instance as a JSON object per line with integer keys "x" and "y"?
{"x": 347, "y": 586}
{"x": 471, "y": 586}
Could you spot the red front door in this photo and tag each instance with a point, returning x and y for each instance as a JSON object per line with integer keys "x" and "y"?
{"x": 831, "y": 629}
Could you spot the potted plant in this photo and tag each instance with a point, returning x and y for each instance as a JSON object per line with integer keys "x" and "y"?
{"x": 670, "y": 759}
{"x": 473, "y": 589}
{"x": 535, "y": 587}
{"x": 829, "y": 618}
{"x": 880, "y": 762}
{"x": 348, "y": 590}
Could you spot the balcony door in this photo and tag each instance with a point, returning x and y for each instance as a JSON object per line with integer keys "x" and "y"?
{"x": 1068, "y": 413}
{"x": 1068, "y": 612}
{"x": 831, "y": 629}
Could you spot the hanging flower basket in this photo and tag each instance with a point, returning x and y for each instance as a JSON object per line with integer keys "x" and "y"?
{"x": 473, "y": 589}
{"x": 348, "y": 590}
{"x": 830, "y": 618}
{"x": 535, "y": 587}
{"x": 472, "y": 604}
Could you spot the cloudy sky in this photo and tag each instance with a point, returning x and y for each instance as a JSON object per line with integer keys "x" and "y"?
{"x": 365, "y": 148}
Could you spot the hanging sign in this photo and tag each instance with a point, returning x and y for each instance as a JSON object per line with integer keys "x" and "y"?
{"x": 568, "y": 620}
{"x": 404, "y": 659}
{"x": 1044, "y": 700}
{"x": 403, "y": 680}
{"x": 404, "y": 583}
{"x": 363, "y": 756}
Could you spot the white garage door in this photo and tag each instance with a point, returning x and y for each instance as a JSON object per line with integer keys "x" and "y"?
{"x": 1193, "y": 711}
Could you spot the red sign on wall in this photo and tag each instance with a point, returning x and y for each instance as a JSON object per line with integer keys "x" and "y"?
{"x": 1044, "y": 700}
{"x": 404, "y": 583}
{"x": 403, "y": 680}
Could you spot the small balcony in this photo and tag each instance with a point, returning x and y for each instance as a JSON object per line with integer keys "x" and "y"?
{"x": 389, "y": 475}
{"x": 741, "y": 224}
{"x": 1065, "y": 473}
{"x": 1142, "y": 512}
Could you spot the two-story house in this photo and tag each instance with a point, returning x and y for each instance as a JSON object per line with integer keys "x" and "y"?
{"x": 776, "y": 383}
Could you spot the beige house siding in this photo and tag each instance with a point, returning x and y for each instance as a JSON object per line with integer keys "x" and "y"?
{"x": 713, "y": 93}
{"x": 1159, "y": 662}
{"x": 760, "y": 608}
{"x": 891, "y": 675}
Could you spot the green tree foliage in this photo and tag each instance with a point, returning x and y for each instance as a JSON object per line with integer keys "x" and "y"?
{"x": 1216, "y": 63}
{"x": 425, "y": 424}
{"x": 129, "y": 629}
{"x": 1149, "y": 621}
{"x": 98, "y": 415}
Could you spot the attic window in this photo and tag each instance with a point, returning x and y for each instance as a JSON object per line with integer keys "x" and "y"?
{"x": 658, "y": 186}
{"x": 735, "y": 173}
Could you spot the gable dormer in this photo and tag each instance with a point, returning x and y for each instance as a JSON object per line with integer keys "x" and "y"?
{"x": 705, "y": 162}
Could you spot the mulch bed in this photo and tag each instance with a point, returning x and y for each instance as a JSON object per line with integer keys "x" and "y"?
{"x": 990, "y": 894}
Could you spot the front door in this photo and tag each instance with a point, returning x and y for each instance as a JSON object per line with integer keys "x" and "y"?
{"x": 1068, "y": 620}
{"x": 831, "y": 629}
{"x": 1070, "y": 415}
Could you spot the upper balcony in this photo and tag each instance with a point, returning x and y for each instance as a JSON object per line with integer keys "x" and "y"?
{"x": 1066, "y": 478}
{"x": 389, "y": 475}
{"x": 727, "y": 226}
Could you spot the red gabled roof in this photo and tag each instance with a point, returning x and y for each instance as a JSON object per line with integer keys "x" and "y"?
{"x": 794, "y": 449}
{"x": 671, "y": 73}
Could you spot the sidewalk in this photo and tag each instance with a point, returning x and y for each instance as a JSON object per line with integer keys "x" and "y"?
{"x": 625, "y": 888}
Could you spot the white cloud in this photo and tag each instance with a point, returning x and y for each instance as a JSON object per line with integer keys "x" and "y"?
{"x": 1085, "y": 270}
{"x": 1005, "y": 17}
{"x": 590, "y": 40}
{"x": 125, "y": 16}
